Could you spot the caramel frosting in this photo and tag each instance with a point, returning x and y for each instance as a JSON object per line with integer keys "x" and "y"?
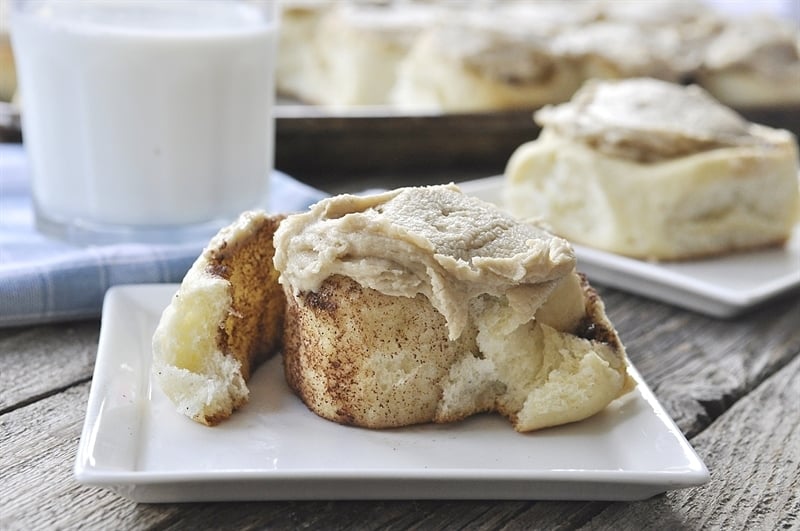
{"x": 648, "y": 120}
{"x": 688, "y": 15}
{"x": 502, "y": 51}
{"x": 655, "y": 54}
{"x": 762, "y": 44}
{"x": 433, "y": 241}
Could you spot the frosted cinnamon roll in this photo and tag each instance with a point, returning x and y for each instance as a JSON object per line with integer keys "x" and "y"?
{"x": 426, "y": 305}
{"x": 472, "y": 63}
{"x": 655, "y": 170}
{"x": 753, "y": 62}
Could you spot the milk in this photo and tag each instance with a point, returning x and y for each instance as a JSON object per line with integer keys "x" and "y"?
{"x": 145, "y": 113}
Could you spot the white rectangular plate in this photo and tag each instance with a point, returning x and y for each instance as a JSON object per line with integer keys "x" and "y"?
{"x": 136, "y": 444}
{"x": 721, "y": 287}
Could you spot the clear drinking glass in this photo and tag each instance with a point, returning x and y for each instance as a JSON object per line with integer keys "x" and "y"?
{"x": 145, "y": 120}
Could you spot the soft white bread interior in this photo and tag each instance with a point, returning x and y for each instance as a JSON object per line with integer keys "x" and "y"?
{"x": 224, "y": 320}
{"x": 297, "y": 66}
{"x": 423, "y": 305}
{"x": 359, "y": 46}
{"x": 657, "y": 171}
{"x": 564, "y": 365}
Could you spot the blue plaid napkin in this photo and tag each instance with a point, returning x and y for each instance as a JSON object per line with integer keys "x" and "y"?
{"x": 44, "y": 280}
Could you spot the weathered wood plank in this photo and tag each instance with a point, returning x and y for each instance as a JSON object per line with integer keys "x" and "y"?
{"x": 703, "y": 371}
{"x": 34, "y": 361}
{"x": 39, "y": 442}
{"x": 753, "y": 453}
{"x": 38, "y": 491}
{"x": 696, "y": 365}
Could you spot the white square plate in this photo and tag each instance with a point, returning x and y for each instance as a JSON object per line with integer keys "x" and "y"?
{"x": 136, "y": 444}
{"x": 720, "y": 287}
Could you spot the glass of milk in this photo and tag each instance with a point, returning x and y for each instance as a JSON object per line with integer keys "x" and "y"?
{"x": 145, "y": 120}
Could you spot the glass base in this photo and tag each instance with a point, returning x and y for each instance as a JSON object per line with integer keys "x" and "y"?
{"x": 84, "y": 233}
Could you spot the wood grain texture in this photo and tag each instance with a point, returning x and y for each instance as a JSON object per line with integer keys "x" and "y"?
{"x": 36, "y": 361}
{"x": 699, "y": 366}
{"x": 39, "y": 443}
{"x": 753, "y": 453}
{"x": 732, "y": 384}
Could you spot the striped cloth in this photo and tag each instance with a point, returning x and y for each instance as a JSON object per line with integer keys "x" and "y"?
{"x": 43, "y": 280}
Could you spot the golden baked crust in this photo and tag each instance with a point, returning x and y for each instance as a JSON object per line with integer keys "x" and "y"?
{"x": 225, "y": 319}
{"x": 252, "y": 329}
{"x": 359, "y": 357}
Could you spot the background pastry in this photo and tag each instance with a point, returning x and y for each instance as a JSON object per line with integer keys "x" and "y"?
{"x": 753, "y": 62}
{"x": 493, "y": 55}
{"x": 603, "y": 50}
{"x": 357, "y": 48}
{"x": 469, "y": 64}
{"x": 297, "y": 69}
{"x": 655, "y": 170}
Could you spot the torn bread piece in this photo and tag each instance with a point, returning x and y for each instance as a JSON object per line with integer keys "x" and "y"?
{"x": 425, "y": 305}
{"x": 225, "y": 319}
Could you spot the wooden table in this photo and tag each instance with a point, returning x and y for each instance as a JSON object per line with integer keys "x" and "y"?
{"x": 732, "y": 386}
